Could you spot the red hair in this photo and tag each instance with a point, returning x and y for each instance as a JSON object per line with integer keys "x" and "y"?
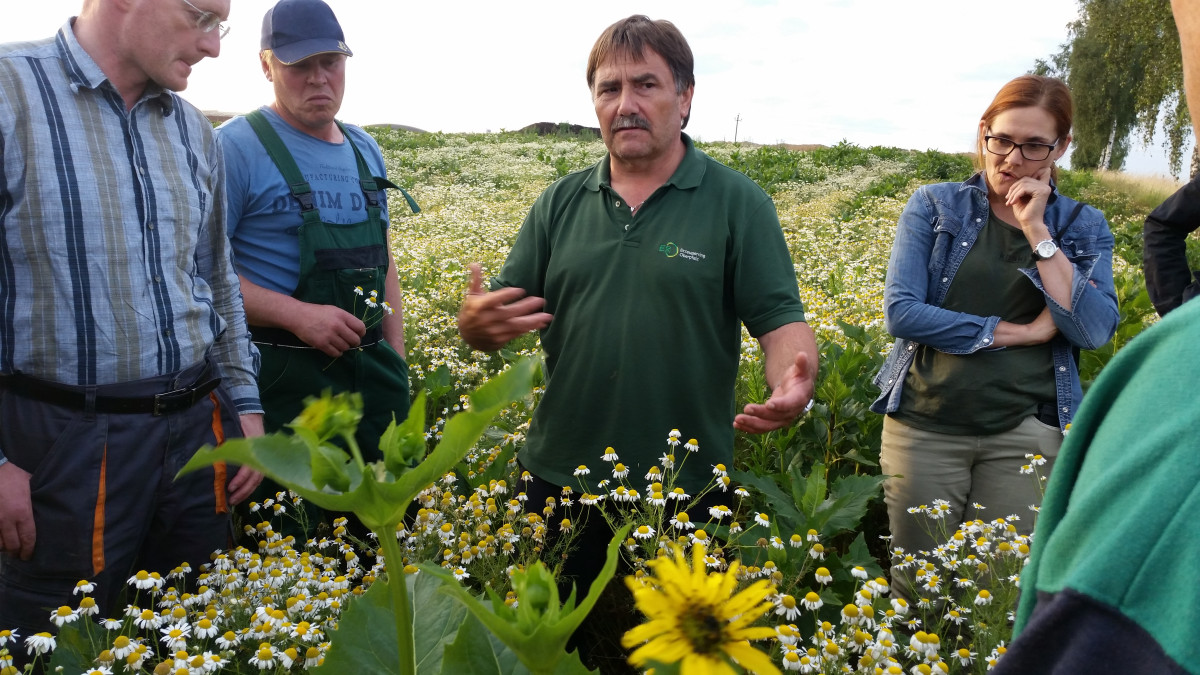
{"x": 1031, "y": 91}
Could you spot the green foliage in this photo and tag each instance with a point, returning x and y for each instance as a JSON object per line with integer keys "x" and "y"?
{"x": 771, "y": 166}
{"x": 1136, "y": 314}
{"x": 840, "y": 431}
{"x": 1124, "y": 68}
{"x": 538, "y": 628}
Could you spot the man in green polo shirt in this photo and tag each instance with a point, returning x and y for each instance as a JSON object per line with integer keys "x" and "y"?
{"x": 638, "y": 272}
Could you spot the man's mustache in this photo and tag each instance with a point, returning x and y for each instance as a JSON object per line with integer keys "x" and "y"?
{"x": 630, "y": 122}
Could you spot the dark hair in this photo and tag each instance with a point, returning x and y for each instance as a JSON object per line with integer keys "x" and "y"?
{"x": 632, "y": 36}
{"x": 1031, "y": 91}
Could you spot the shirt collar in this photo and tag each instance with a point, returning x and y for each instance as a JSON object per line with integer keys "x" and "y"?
{"x": 688, "y": 174}
{"x": 84, "y": 73}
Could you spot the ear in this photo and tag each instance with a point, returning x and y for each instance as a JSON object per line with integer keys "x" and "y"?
{"x": 1061, "y": 149}
{"x": 685, "y": 102}
{"x": 266, "y": 65}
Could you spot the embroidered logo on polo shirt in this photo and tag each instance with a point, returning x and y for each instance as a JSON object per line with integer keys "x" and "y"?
{"x": 672, "y": 250}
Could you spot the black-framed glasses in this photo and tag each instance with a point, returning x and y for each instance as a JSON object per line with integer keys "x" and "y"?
{"x": 207, "y": 22}
{"x": 1034, "y": 152}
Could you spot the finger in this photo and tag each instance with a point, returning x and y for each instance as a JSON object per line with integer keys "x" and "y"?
{"x": 243, "y": 484}
{"x": 757, "y": 425}
{"x": 27, "y": 536}
{"x": 476, "y": 287}
{"x": 523, "y": 307}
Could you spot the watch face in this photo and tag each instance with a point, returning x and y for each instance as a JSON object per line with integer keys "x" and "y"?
{"x": 1046, "y": 249}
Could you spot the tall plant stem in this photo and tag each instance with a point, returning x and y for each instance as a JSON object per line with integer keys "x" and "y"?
{"x": 398, "y": 588}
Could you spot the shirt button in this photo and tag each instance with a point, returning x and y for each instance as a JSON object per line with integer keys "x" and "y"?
{"x": 142, "y": 170}
{"x": 1062, "y": 368}
{"x": 987, "y": 341}
{"x": 979, "y": 220}
{"x": 891, "y": 381}
{"x": 616, "y": 203}
{"x": 1066, "y": 410}
{"x": 167, "y": 333}
{"x": 910, "y": 348}
{"x": 150, "y": 226}
{"x": 157, "y": 279}
{"x": 965, "y": 244}
{"x": 627, "y": 227}
{"x": 945, "y": 279}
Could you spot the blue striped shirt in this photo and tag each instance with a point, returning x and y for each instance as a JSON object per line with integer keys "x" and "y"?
{"x": 114, "y": 264}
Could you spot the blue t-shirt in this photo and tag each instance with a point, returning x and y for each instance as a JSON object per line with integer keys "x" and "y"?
{"x": 264, "y": 218}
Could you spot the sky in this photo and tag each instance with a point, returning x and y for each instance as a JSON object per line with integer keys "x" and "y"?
{"x": 914, "y": 74}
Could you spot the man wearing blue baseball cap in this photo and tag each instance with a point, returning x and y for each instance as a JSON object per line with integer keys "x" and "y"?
{"x": 308, "y": 223}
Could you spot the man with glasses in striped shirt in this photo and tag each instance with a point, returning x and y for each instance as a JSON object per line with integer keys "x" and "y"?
{"x": 123, "y": 344}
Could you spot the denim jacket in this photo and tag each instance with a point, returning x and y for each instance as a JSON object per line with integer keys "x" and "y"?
{"x": 936, "y": 231}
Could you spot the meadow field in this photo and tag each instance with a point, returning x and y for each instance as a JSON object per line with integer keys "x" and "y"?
{"x": 804, "y": 541}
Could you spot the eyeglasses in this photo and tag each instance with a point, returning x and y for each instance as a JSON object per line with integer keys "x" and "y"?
{"x": 207, "y": 22}
{"x": 998, "y": 145}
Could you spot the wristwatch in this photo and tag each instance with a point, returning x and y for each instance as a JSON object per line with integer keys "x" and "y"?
{"x": 1045, "y": 249}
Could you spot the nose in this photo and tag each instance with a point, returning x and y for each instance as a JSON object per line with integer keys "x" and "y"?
{"x": 626, "y": 102}
{"x": 210, "y": 43}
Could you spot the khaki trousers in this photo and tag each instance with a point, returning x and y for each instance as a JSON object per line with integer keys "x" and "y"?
{"x": 963, "y": 470}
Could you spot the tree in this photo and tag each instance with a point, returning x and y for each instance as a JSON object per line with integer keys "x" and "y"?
{"x": 1123, "y": 66}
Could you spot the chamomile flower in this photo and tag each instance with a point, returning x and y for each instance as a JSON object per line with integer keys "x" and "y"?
{"x": 609, "y": 455}
{"x": 63, "y": 615}
{"x": 264, "y": 658}
{"x": 719, "y": 511}
{"x": 681, "y": 521}
{"x": 643, "y": 532}
{"x": 692, "y": 445}
{"x": 582, "y": 470}
{"x": 39, "y": 644}
{"x": 823, "y": 576}
{"x": 762, "y": 519}
{"x": 786, "y": 607}
{"x": 85, "y": 587}
{"x": 812, "y": 601}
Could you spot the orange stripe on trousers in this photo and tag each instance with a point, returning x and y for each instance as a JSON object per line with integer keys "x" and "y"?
{"x": 98, "y": 517}
{"x": 218, "y": 468}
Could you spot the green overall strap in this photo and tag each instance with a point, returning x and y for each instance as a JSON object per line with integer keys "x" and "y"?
{"x": 279, "y": 154}
{"x": 371, "y": 185}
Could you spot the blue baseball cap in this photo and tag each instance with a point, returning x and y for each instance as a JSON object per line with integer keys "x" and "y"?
{"x": 297, "y": 29}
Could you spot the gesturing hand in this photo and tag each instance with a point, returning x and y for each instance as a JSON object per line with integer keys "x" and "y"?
{"x": 788, "y": 400}
{"x": 488, "y": 320}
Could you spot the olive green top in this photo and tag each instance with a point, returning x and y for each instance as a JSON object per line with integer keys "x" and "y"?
{"x": 989, "y": 391}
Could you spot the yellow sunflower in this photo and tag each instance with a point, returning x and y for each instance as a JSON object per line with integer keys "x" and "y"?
{"x": 695, "y": 619}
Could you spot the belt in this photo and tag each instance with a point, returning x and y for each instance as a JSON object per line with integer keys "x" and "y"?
{"x": 278, "y": 337}
{"x": 1047, "y": 413}
{"x": 157, "y": 404}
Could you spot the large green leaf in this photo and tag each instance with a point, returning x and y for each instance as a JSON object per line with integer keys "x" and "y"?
{"x": 464, "y": 429}
{"x": 471, "y": 652}
{"x": 72, "y": 648}
{"x": 438, "y": 618}
{"x": 851, "y": 495}
{"x": 286, "y": 459}
{"x": 780, "y": 502}
{"x": 365, "y": 640}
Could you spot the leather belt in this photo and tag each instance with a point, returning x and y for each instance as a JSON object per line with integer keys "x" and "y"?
{"x": 157, "y": 404}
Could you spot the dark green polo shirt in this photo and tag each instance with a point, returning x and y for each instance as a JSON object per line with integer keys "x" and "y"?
{"x": 647, "y": 312}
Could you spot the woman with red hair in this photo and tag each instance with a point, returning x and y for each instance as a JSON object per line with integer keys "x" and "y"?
{"x": 993, "y": 286}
